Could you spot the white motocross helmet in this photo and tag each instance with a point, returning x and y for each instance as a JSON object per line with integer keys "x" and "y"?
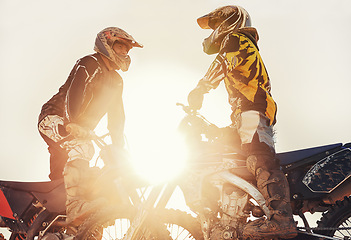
{"x": 104, "y": 45}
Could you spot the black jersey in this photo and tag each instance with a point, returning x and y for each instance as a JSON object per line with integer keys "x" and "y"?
{"x": 91, "y": 91}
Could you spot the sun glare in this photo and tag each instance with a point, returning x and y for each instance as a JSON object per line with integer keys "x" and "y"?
{"x": 160, "y": 159}
{"x": 157, "y": 150}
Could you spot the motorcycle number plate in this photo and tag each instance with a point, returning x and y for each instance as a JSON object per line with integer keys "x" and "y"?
{"x": 330, "y": 172}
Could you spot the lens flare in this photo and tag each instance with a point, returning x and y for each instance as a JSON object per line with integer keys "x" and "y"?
{"x": 161, "y": 158}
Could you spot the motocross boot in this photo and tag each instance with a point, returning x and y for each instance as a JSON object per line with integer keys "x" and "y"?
{"x": 76, "y": 177}
{"x": 275, "y": 189}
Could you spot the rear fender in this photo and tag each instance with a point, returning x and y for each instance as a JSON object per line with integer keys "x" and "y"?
{"x": 55, "y": 200}
{"x": 339, "y": 193}
{"x": 5, "y": 209}
{"x": 322, "y": 179}
{"x": 14, "y": 203}
{"x": 329, "y": 173}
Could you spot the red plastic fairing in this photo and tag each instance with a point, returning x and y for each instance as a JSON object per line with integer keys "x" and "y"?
{"x": 5, "y": 209}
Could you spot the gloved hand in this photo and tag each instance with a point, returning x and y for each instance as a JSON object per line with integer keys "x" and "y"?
{"x": 77, "y": 131}
{"x": 195, "y": 98}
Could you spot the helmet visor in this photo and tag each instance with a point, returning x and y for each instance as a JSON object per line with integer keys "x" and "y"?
{"x": 204, "y": 21}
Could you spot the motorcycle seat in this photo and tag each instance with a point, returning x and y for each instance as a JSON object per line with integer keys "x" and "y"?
{"x": 290, "y": 157}
{"x": 40, "y": 187}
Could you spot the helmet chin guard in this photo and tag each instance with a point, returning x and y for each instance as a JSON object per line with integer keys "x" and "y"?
{"x": 222, "y": 20}
{"x": 104, "y": 45}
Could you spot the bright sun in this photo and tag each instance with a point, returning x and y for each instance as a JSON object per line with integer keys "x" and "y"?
{"x": 161, "y": 159}
{"x": 157, "y": 150}
{"x": 158, "y": 153}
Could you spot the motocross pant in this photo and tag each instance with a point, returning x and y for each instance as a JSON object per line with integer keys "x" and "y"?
{"x": 76, "y": 172}
{"x": 257, "y": 137}
{"x": 257, "y": 141}
{"x": 53, "y": 131}
{"x": 58, "y": 158}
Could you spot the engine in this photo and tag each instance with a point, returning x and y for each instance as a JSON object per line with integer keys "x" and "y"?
{"x": 232, "y": 209}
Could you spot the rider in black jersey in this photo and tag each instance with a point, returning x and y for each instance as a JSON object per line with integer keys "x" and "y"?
{"x": 93, "y": 89}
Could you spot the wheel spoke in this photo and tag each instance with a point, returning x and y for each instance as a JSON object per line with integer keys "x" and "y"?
{"x": 336, "y": 222}
{"x": 344, "y": 232}
{"x": 178, "y": 232}
{"x": 114, "y": 224}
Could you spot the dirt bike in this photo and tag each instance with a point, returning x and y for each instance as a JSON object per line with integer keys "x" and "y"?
{"x": 36, "y": 210}
{"x": 221, "y": 192}
{"x": 319, "y": 180}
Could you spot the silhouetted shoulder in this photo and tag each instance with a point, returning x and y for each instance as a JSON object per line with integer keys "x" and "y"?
{"x": 91, "y": 64}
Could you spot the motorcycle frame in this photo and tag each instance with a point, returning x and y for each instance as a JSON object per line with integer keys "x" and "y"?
{"x": 161, "y": 194}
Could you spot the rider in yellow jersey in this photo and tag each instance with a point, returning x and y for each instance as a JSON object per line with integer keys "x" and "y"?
{"x": 239, "y": 64}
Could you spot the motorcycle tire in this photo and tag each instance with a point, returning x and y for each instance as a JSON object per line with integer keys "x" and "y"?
{"x": 114, "y": 223}
{"x": 337, "y": 216}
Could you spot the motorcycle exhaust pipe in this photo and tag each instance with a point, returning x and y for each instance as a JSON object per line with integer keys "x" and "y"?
{"x": 343, "y": 190}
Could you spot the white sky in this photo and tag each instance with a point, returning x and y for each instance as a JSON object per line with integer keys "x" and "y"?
{"x": 304, "y": 44}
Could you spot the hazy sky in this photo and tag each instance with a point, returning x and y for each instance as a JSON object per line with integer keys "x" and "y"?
{"x": 305, "y": 46}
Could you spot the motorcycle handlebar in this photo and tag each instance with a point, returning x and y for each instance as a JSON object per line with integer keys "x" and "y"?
{"x": 78, "y": 131}
{"x": 186, "y": 109}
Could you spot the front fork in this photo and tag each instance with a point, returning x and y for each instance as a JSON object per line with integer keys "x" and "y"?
{"x": 157, "y": 199}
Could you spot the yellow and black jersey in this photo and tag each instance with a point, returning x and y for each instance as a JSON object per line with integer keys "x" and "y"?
{"x": 240, "y": 65}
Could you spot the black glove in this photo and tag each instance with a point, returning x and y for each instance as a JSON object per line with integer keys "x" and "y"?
{"x": 195, "y": 98}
